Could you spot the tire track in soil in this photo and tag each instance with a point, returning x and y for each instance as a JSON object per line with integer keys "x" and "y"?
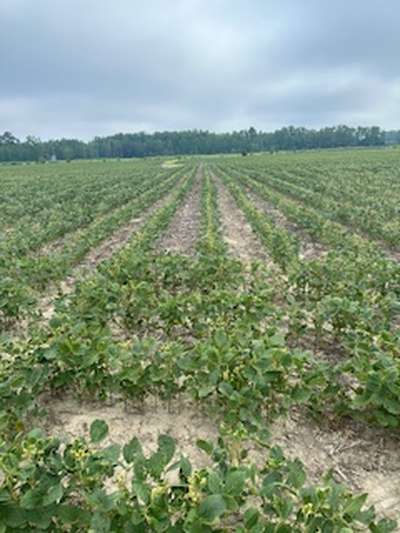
{"x": 105, "y": 251}
{"x": 182, "y": 234}
{"x": 243, "y": 243}
{"x": 366, "y": 459}
{"x": 309, "y": 249}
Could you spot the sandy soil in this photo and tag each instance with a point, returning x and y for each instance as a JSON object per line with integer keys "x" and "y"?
{"x": 105, "y": 251}
{"x": 182, "y": 234}
{"x": 181, "y": 420}
{"x": 172, "y": 164}
{"x": 242, "y": 241}
{"x": 393, "y": 255}
{"x": 308, "y": 248}
{"x": 58, "y": 244}
{"x": 55, "y": 246}
{"x": 363, "y": 458}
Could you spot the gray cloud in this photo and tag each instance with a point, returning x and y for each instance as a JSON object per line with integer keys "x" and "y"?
{"x": 92, "y": 67}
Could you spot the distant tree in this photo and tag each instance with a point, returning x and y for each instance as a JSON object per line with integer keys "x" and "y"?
{"x": 31, "y": 140}
{"x": 8, "y": 138}
{"x": 192, "y": 142}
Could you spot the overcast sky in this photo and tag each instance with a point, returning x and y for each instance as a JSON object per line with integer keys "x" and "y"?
{"x": 80, "y": 68}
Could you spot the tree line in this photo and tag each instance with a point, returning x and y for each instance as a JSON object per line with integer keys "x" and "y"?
{"x": 191, "y": 142}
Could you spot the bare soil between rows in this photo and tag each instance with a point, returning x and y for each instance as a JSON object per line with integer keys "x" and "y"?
{"x": 312, "y": 249}
{"x": 180, "y": 419}
{"x": 309, "y": 249}
{"x": 243, "y": 243}
{"x": 366, "y": 459}
{"x": 106, "y": 250}
{"x": 182, "y": 234}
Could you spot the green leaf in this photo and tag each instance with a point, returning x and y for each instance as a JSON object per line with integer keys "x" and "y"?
{"x": 31, "y": 499}
{"x": 68, "y": 513}
{"x": 185, "y": 466}
{"x": 211, "y": 508}
{"x": 355, "y": 505}
{"x": 41, "y": 518}
{"x": 386, "y": 419}
{"x": 301, "y": 394}
{"x": 205, "y": 445}
{"x": 13, "y": 516}
{"x": 214, "y": 482}
{"x": 98, "y": 431}
{"x": 112, "y": 452}
{"x": 54, "y": 494}
{"x": 100, "y": 523}
{"x": 221, "y": 339}
{"x": 235, "y": 482}
{"x": 386, "y": 525}
{"x": 277, "y": 340}
{"x": 36, "y": 433}
{"x": 251, "y": 517}
{"x": 5, "y": 496}
{"x": 132, "y": 450}
{"x": 206, "y": 390}
{"x": 156, "y": 464}
{"x": 225, "y": 389}
{"x": 142, "y": 491}
{"x": 296, "y": 474}
{"x": 101, "y": 500}
{"x": 269, "y": 484}
{"x": 166, "y": 446}
{"x": 392, "y": 405}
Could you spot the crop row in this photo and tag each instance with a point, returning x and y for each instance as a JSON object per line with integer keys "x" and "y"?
{"x": 33, "y": 194}
{"x": 203, "y": 330}
{"x": 23, "y": 276}
{"x": 379, "y": 224}
{"x": 70, "y": 212}
{"x": 346, "y": 301}
{"x": 366, "y": 178}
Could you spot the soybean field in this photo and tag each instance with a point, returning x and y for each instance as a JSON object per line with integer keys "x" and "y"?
{"x": 201, "y": 344}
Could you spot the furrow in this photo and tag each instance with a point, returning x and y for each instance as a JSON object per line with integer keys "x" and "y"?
{"x": 96, "y": 256}
{"x": 183, "y": 232}
{"x": 243, "y": 243}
